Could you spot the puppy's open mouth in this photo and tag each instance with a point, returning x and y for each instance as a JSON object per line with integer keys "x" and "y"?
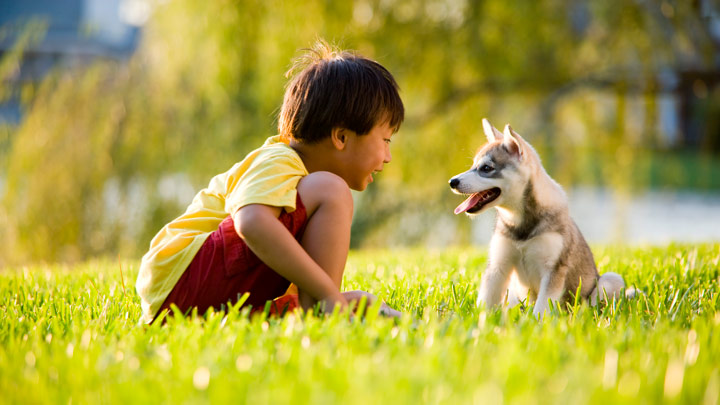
{"x": 477, "y": 201}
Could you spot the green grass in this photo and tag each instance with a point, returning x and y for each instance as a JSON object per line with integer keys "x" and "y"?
{"x": 70, "y": 334}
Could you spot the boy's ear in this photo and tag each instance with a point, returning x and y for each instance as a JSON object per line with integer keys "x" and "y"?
{"x": 339, "y": 137}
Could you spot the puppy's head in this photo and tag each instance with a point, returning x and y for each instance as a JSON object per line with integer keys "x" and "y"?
{"x": 498, "y": 175}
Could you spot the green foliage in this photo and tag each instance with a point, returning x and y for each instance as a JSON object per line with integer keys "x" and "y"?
{"x": 88, "y": 170}
{"x": 71, "y": 334}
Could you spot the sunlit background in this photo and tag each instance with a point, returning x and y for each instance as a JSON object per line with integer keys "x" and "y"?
{"x": 113, "y": 113}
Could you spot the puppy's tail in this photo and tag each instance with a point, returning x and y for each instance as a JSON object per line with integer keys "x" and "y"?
{"x": 609, "y": 286}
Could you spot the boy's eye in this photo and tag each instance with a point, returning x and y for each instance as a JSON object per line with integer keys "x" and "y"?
{"x": 486, "y": 168}
{"x": 388, "y": 140}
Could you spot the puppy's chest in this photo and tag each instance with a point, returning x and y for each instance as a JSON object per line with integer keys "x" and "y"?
{"x": 537, "y": 257}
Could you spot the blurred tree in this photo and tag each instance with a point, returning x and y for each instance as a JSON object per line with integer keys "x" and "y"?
{"x": 94, "y": 165}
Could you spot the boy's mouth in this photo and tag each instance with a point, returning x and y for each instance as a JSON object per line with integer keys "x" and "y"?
{"x": 478, "y": 201}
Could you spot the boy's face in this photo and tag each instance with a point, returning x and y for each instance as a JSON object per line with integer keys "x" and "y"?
{"x": 366, "y": 154}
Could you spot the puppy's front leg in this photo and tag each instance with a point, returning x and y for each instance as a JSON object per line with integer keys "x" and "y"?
{"x": 552, "y": 287}
{"x": 517, "y": 292}
{"x": 495, "y": 280}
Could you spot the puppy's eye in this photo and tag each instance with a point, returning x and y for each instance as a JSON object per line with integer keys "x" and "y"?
{"x": 486, "y": 169}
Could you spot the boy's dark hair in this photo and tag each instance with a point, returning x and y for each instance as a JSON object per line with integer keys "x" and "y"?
{"x": 337, "y": 89}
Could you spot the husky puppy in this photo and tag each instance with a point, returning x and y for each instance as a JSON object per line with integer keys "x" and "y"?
{"x": 535, "y": 244}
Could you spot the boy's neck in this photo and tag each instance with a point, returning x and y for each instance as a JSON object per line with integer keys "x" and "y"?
{"x": 317, "y": 156}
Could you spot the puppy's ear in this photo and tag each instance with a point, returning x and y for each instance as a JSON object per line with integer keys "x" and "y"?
{"x": 512, "y": 142}
{"x": 491, "y": 133}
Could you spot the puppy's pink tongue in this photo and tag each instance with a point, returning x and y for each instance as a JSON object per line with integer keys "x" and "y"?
{"x": 467, "y": 204}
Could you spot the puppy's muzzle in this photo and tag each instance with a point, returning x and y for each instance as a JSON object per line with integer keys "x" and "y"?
{"x": 454, "y": 182}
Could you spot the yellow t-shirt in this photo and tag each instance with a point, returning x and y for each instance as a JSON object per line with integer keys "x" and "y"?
{"x": 268, "y": 175}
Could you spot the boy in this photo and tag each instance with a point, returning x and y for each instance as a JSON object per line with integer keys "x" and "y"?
{"x": 283, "y": 214}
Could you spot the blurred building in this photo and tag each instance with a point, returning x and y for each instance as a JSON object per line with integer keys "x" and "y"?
{"x": 74, "y": 32}
{"x": 698, "y": 89}
{"x": 685, "y": 92}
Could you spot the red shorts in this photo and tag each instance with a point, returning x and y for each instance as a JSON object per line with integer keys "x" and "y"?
{"x": 225, "y": 268}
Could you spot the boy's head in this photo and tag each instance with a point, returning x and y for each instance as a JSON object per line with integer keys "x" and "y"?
{"x": 337, "y": 89}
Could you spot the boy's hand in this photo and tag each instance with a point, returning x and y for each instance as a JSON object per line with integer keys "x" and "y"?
{"x": 328, "y": 304}
{"x": 353, "y": 297}
{"x": 386, "y": 310}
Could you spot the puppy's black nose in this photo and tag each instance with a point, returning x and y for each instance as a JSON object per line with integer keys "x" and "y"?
{"x": 454, "y": 182}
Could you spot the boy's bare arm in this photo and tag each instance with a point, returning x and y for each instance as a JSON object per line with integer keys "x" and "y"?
{"x": 271, "y": 242}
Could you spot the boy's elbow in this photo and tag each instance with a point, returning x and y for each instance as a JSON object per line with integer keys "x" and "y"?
{"x": 251, "y": 220}
{"x": 246, "y": 221}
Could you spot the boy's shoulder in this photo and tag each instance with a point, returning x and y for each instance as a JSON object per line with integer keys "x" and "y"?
{"x": 276, "y": 141}
{"x": 276, "y": 150}
{"x": 275, "y": 153}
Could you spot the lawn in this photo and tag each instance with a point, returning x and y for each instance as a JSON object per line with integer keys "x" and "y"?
{"x": 70, "y": 335}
